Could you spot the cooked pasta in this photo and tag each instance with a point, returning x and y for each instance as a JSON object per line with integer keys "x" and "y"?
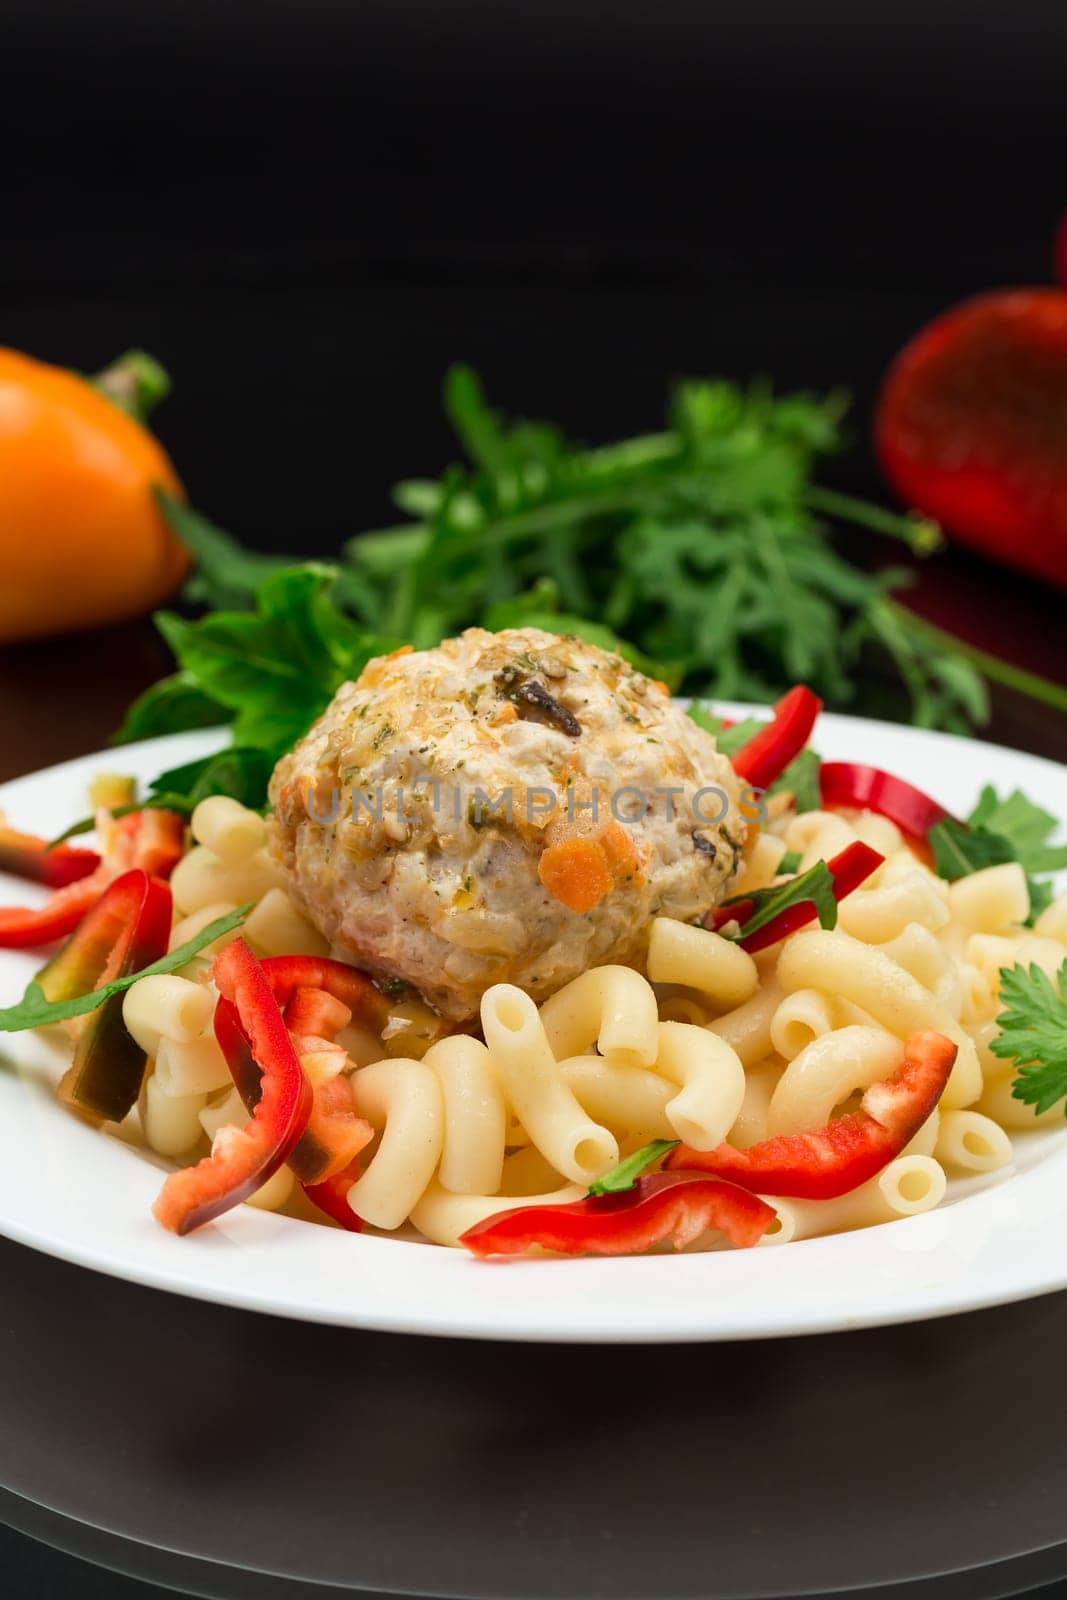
{"x": 611, "y": 1007}
{"x": 475, "y": 1115}
{"x": 905, "y": 1188}
{"x": 972, "y": 1142}
{"x": 403, "y": 1098}
{"x": 701, "y": 960}
{"x": 863, "y": 974}
{"x": 834, "y": 1038}
{"x": 580, "y": 1148}
{"x": 712, "y": 1082}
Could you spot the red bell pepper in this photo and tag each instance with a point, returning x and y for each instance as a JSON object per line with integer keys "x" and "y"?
{"x": 27, "y": 928}
{"x": 848, "y": 1152}
{"x": 158, "y": 840}
{"x": 768, "y": 753}
{"x": 24, "y": 855}
{"x": 667, "y": 1205}
{"x": 970, "y": 427}
{"x": 352, "y": 987}
{"x": 331, "y": 1197}
{"x": 851, "y": 867}
{"x": 317, "y": 997}
{"x": 151, "y": 840}
{"x": 242, "y": 1159}
{"x": 316, "y": 1014}
{"x": 128, "y": 928}
{"x": 850, "y": 784}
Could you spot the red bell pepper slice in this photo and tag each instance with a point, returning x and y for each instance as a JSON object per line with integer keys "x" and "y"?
{"x": 851, "y": 867}
{"x": 848, "y": 1152}
{"x": 27, "y": 928}
{"x": 331, "y": 1197}
{"x": 768, "y": 753}
{"x": 317, "y": 997}
{"x": 158, "y": 840}
{"x": 666, "y": 1205}
{"x": 847, "y": 783}
{"x": 24, "y": 855}
{"x": 151, "y": 840}
{"x": 287, "y": 974}
{"x": 242, "y": 1159}
{"x": 128, "y": 928}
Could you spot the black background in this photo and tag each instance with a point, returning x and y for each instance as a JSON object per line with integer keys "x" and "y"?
{"x": 308, "y": 208}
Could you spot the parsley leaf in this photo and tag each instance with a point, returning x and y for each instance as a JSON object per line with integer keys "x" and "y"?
{"x": 960, "y": 850}
{"x": 996, "y": 832}
{"x": 814, "y": 887}
{"x": 1033, "y": 1034}
{"x": 626, "y": 1174}
{"x": 35, "y": 1011}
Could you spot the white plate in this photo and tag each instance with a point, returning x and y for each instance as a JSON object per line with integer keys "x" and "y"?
{"x": 85, "y": 1197}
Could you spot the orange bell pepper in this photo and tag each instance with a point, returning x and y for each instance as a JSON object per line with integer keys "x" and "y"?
{"x": 82, "y": 540}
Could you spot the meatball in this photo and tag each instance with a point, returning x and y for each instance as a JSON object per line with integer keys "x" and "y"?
{"x": 510, "y": 807}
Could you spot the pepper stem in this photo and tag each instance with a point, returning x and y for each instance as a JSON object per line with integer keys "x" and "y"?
{"x": 136, "y": 383}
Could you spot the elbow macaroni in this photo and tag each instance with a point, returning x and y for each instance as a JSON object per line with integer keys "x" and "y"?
{"x": 729, "y": 1047}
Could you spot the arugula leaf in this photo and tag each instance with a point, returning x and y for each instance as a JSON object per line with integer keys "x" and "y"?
{"x": 35, "y": 1011}
{"x": 801, "y": 778}
{"x": 626, "y": 1174}
{"x": 729, "y": 738}
{"x": 1033, "y": 1034}
{"x": 814, "y": 887}
{"x": 790, "y": 862}
{"x": 172, "y": 705}
{"x": 997, "y": 832}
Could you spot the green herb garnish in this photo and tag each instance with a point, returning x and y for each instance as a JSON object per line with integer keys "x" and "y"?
{"x": 1033, "y": 1034}
{"x": 34, "y": 1010}
{"x": 626, "y": 1174}
{"x": 814, "y": 887}
{"x": 996, "y": 832}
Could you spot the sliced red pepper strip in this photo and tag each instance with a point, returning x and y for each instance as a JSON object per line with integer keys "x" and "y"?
{"x": 24, "y": 855}
{"x": 315, "y": 1014}
{"x": 127, "y": 929}
{"x": 331, "y": 1197}
{"x": 768, "y": 753}
{"x": 159, "y": 840}
{"x": 667, "y": 1205}
{"x": 847, "y": 783}
{"x": 242, "y": 1159}
{"x": 352, "y": 987}
{"x": 848, "y": 1152}
{"x": 335, "y": 1132}
{"x": 851, "y": 867}
{"x": 27, "y": 928}
{"x": 151, "y": 840}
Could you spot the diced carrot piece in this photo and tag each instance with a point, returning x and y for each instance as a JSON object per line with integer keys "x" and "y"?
{"x": 576, "y": 873}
